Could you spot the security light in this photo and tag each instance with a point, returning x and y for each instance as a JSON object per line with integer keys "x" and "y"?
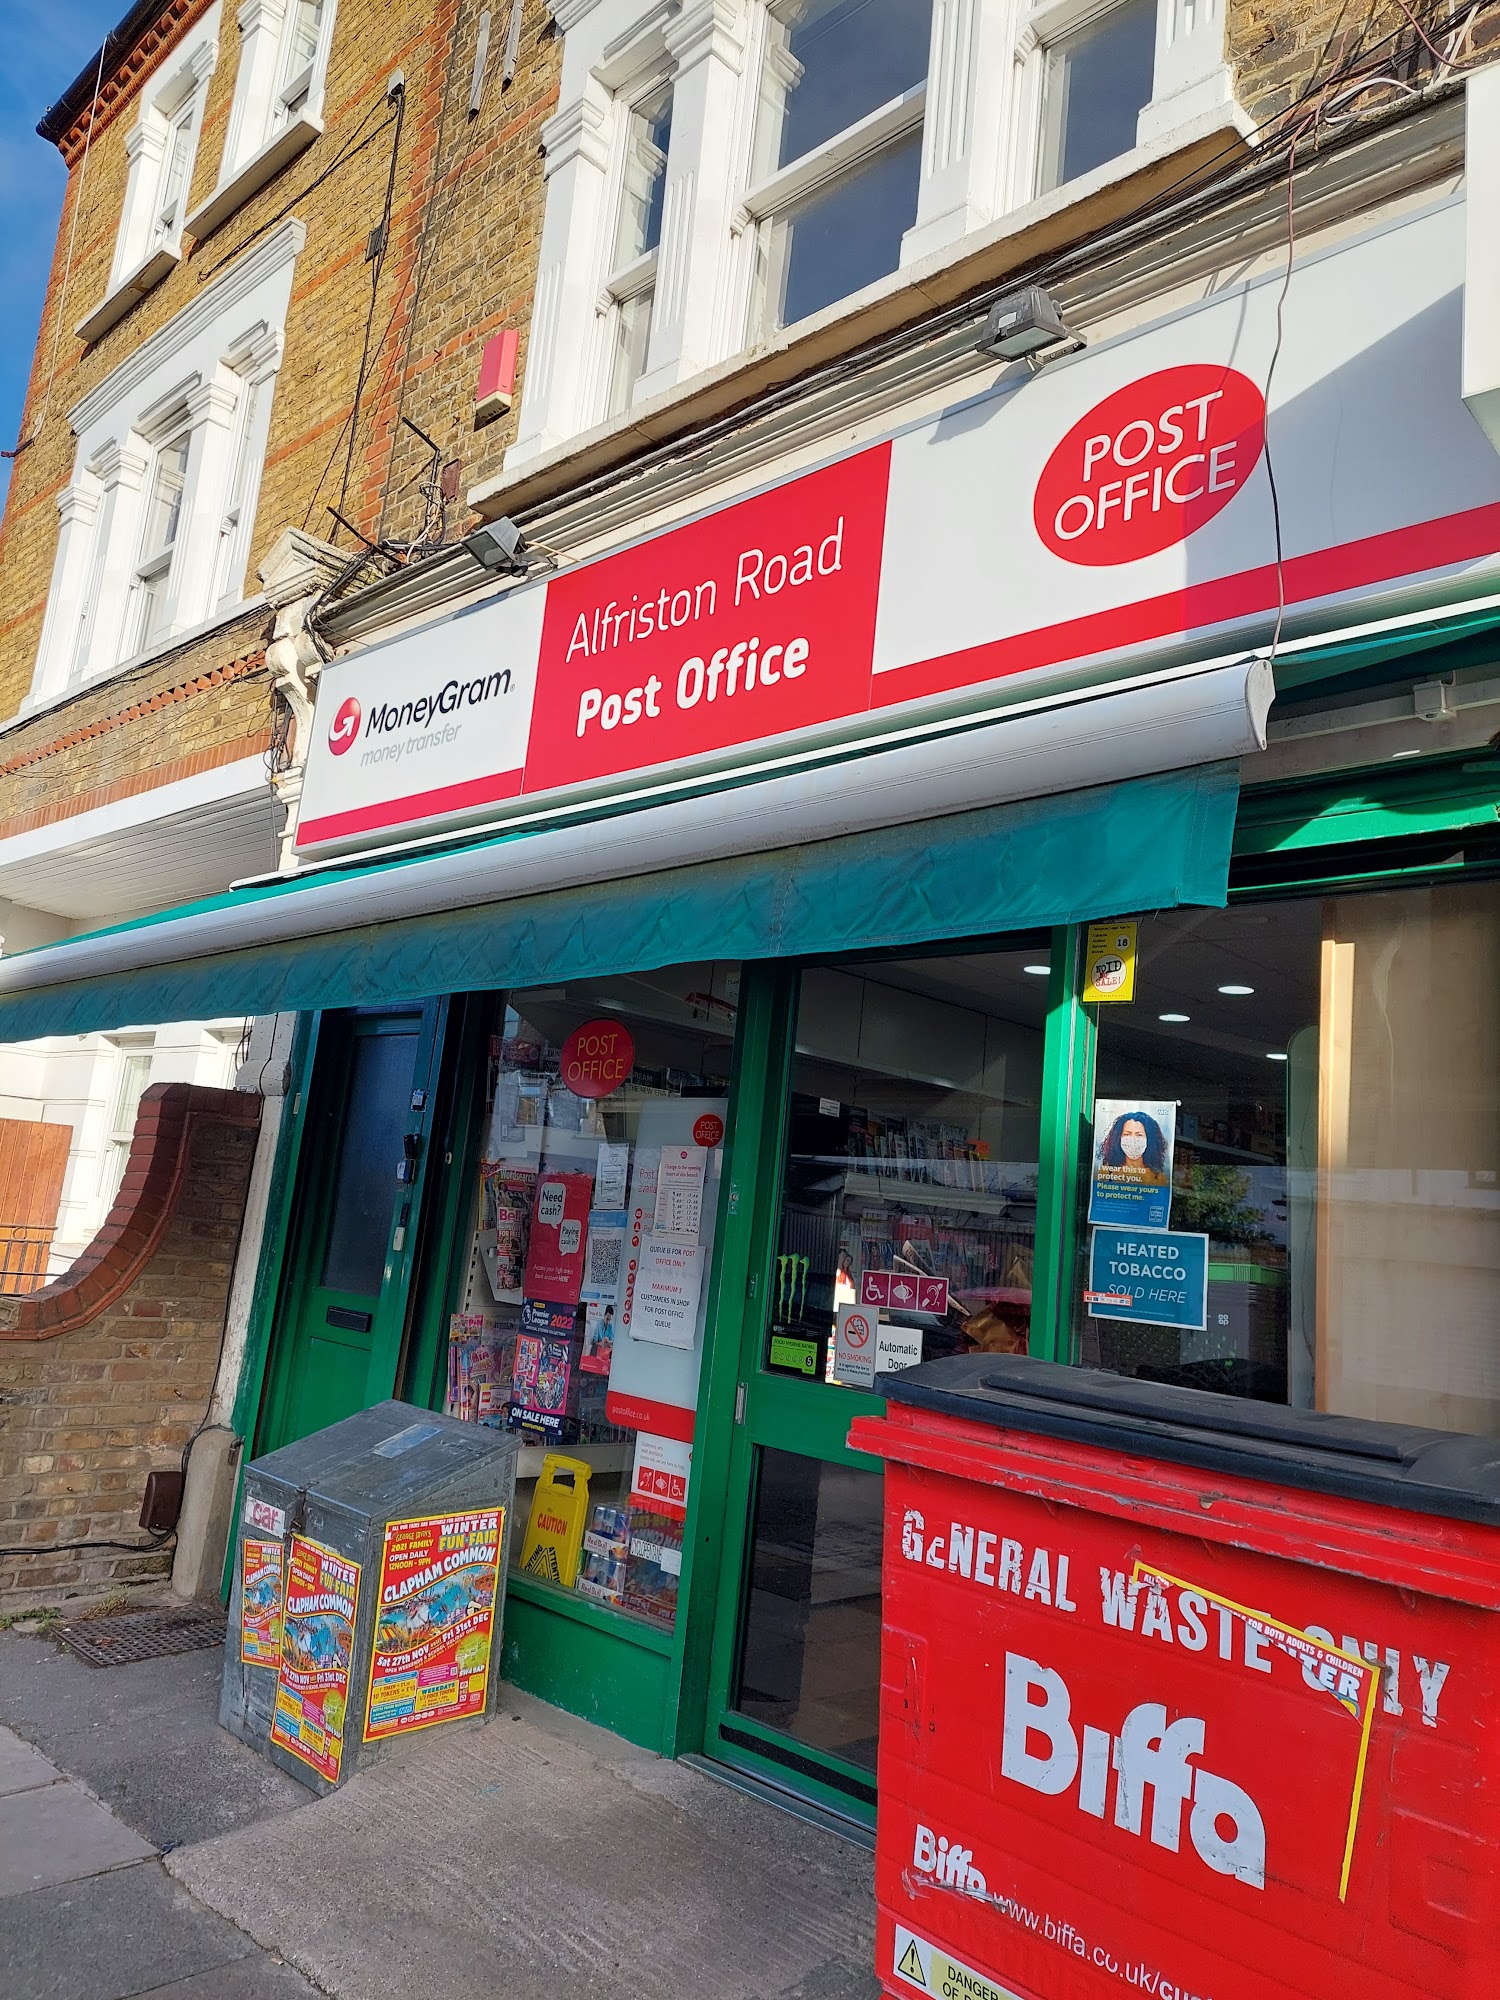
{"x": 1024, "y": 325}
{"x": 499, "y": 546}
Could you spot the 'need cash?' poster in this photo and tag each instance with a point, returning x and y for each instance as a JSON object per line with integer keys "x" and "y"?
{"x": 435, "y": 1622}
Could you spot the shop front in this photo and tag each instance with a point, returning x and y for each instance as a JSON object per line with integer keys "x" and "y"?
{"x": 869, "y": 922}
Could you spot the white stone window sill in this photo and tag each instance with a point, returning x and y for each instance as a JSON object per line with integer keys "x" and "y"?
{"x": 252, "y": 176}
{"x": 142, "y": 280}
{"x": 226, "y": 615}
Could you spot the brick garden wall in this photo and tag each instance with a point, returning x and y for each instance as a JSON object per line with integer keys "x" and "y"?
{"x": 106, "y": 1373}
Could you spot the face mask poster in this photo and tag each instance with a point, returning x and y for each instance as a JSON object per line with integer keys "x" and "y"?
{"x": 1140, "y": 1269}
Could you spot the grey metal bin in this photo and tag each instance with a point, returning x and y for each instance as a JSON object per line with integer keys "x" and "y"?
{"x": 377, "y": 1534}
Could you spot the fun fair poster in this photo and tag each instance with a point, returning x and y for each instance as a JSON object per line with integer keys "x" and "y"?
{"x": 317, "y": 1638}
{"x": 434, "y": 1626}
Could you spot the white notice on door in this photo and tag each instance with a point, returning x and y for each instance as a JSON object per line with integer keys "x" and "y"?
{"x": 679, "y": 1191}
{"x": 667, "y": 1290}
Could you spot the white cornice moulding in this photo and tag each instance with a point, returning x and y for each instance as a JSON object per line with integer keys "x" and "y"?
{"x": 219, "y": 296}
{"x": 111, "y": 310}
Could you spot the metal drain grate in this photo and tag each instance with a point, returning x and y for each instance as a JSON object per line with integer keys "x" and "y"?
{"x": 130, "y": 1636}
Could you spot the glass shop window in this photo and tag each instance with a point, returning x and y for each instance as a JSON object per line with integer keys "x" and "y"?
{"x": 1295, "y": 1185}
{"x": 908, "y": 1216}
{"x": 582, "y": 1321}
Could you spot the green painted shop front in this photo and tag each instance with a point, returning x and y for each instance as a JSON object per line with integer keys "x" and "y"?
{"x": 769, "y": 1667}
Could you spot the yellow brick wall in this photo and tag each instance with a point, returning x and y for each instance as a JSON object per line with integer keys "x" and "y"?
{"x": 468, "y": 187}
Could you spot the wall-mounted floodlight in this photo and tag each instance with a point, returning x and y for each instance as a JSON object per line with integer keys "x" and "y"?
{"x": 1025, "y": 326}
{"x": 499, "y": 546}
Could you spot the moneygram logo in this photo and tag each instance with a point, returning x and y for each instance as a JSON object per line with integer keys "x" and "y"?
{"x": 343, "y": 731}
{"x": 1150, "y": 465}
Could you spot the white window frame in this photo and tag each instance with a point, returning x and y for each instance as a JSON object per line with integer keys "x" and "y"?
{"x": 979, "y": 111}
{"x": 130, "y": 1053}
{"x": 622, "y": 285}
{"x": 207, "y": 375}
{"x": 273, "y": 116}
{"x": 148, "y": 243}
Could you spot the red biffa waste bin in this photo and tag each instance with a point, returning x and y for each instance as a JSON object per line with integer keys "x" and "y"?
{"x": 1182, "y": 1695}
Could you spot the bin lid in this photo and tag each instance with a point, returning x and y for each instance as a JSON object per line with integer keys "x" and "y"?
{"x": 1391, "y": 1465}
{"x": 370, "y": 1462}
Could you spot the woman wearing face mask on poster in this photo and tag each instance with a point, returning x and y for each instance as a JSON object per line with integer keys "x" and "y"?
{"x": 1132, "y": 1178}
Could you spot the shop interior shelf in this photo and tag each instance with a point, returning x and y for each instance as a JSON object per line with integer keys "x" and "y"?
{"x": 598, "y": 1457}
{"x": 879, "y": 1187}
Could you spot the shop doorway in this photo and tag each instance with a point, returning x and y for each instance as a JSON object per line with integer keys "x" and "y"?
{"x": 909, "y": 1141}
{"x": 337, "y": 1345}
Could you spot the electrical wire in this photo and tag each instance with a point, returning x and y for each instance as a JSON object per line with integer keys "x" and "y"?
{"x": 377, "y": 267}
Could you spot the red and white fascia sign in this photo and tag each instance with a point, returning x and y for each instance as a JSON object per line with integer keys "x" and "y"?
{"x": 752, "y": 622}
{"x": 1150, "y": 464}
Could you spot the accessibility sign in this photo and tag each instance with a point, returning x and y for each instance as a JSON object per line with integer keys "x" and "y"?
{"x": 925, "y": 1968}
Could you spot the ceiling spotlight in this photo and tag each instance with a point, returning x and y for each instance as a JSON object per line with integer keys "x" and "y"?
{"x": 1237, "y": 992}
{"x": 1276, "y": 1055}
{"x": 499, "y": 546}
{"x": 1174, "y": 1017}
{"x": 1041, "y": 971}
{"x": 1025, "y": 325}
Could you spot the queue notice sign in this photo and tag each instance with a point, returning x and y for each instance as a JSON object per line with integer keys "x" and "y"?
{"x": 1181, "y": 1721}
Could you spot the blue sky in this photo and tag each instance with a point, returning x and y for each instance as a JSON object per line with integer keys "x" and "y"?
{"x": 47, "y": 42}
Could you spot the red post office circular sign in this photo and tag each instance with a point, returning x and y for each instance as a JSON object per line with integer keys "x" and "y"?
{"x": 709, "y": 1129}
{"x": 597, "y": 1058}
{"x": 1150, "y": 465}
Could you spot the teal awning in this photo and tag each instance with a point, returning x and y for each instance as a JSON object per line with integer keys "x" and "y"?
{"x": 1149, "y": 843}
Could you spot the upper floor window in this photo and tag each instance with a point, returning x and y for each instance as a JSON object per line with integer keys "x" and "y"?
{"x": 1098, "y": 79}
{"x": 722, "y": 170}
{"x": 630, "y": 288}
{"x": 154, "y": 535}
{"x": 837, "y": 152}
{"x": 301, "y": 37}
{"x": 160, "y": 150}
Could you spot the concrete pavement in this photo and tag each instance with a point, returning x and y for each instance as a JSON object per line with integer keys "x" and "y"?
{"x": 88, "y": 1913}
{"x": 537, "y": 1858}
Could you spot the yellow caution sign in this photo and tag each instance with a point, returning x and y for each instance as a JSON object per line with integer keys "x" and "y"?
{"x": 554, "y": 1530}
{"x": 1109, "y": 960}
{"x": 926, "y": 1968}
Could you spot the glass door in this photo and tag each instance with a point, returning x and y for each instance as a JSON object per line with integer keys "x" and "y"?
{"x": 901, "y": 1227}
{"x": 342, "y": 1319}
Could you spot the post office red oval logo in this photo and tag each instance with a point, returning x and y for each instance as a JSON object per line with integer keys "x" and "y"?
{"x": 597, "y": 1058}
{"x": 1150, "y": 465}
{"x": 344, "y": 729}
{"x": 709, "y": 1129}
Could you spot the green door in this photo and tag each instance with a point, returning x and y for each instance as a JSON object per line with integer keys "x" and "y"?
{"x": 906, "y": 1137}
{"x": 343, "y": 1314}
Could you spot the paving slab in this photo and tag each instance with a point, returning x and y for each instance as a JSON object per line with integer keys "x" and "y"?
{"x": 255, "y": 1978}
{"x": 540, "y": 1856}
{"x": 22, "y": 1767}
{"x": 111, "y": 1937}
{"x": 58, "y": 1834}
{"x": 143, "y": 1738}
